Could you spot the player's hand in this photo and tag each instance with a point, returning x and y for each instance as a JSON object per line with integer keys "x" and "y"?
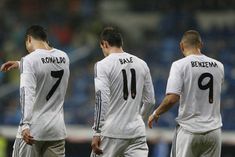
{"x": 27, "y": 137}
{"x": 96, "y": 144}
{"x": 9, "y": 66}
{"x": 151, "y": 119}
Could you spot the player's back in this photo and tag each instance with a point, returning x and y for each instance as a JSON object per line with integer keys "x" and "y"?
{"x": 51, "y": 72}
{"x": 126, "y": 76}
{"x": 202, "y": 77}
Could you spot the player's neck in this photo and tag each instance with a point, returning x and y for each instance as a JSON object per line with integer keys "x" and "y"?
{"x": 192, "y": 52}
{"x": 42, "y": 45}
{"x": 116, "y": 50}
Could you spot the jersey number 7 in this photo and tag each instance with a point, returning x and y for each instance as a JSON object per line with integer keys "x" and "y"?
{"x": 56, "y": 74}
{"x": 125, "y": 84}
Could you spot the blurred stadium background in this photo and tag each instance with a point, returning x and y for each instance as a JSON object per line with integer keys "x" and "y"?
{"x": 152, "y": 30}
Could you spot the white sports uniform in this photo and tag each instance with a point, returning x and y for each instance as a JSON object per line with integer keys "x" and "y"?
{"x": 197, "y": 79}
{"x": 43, "y": 84}
{"x": 124, "y": 95}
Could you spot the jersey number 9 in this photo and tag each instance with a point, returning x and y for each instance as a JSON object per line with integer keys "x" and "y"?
{"x": 209, "y": 85}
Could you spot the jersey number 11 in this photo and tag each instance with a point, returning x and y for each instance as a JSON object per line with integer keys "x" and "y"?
{"x": 125, "y": 84}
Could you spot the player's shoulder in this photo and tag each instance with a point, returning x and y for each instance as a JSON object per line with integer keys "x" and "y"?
{"x": 220, "y": 64}
{"x": 214, "y": 61}
{"x": 102, "y": 64}
{"x": 35, "y": 55}
{"x": 188, "y": 59}
{"x": 180, "y": 62}
{"x": 31, "y": 56}
{"x": 138, "y": 60}
{"x": 110, "y": 60}
{"x": 105, "y": 60}
{"x": 60, "y": 52}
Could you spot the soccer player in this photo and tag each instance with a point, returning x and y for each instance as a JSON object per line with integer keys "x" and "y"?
{"x": 124, "y": 95}
{"x": 196, "y": 81}
{"x": 43, "y": 83}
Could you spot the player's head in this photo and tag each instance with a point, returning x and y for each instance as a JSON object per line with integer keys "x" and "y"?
{"x": 110, "y": 38}
{"x": 191, "y": 40}
{"x": 35, "y": 33}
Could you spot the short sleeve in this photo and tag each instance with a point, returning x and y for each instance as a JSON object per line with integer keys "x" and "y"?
{"x": 148, "y": 91}
{"x": 175, "y": 80}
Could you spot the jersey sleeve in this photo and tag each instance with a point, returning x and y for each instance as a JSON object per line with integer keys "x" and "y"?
{"x": 18, "y": 64}
{"x": 222, "y": 67}
{"x": 102, "y": 92}
{"x": 148, "y": 97}
{"x": 175, "y": 80}
{"x": 27, "y": 92}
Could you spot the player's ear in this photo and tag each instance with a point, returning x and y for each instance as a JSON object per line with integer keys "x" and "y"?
{"x": 201, "y": 45}
{"x": 29, "y": 38}
{"x": 105, "y": 44}
{"x": 101, "y": 44}
{"x": 182, "y": 46}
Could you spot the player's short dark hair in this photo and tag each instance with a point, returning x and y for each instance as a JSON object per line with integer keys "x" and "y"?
{"x": 192, "y": 38}
{"x": 112, "y": 36}
{"x": 37, "y": 32}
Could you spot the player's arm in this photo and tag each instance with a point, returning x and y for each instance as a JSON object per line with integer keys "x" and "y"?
{"x": 102, "y": 99}
{"x": 27, "y": 97}
{"x": 173, "y": 91}
{"x": 148, "y": 97}
{"x": 9, "y": 65}
{"x": 167, "y": 103}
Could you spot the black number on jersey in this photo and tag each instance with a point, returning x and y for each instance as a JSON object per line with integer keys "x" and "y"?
{"x": 209, "y": 85}
{"x": 55, "y": 74}
{"x": 125, "y": 84}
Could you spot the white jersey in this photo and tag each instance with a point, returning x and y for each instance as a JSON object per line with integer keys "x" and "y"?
{"x": 197, "y": 79}
{"x": 43, "y": 84}
{"x": 124, "y": 95}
